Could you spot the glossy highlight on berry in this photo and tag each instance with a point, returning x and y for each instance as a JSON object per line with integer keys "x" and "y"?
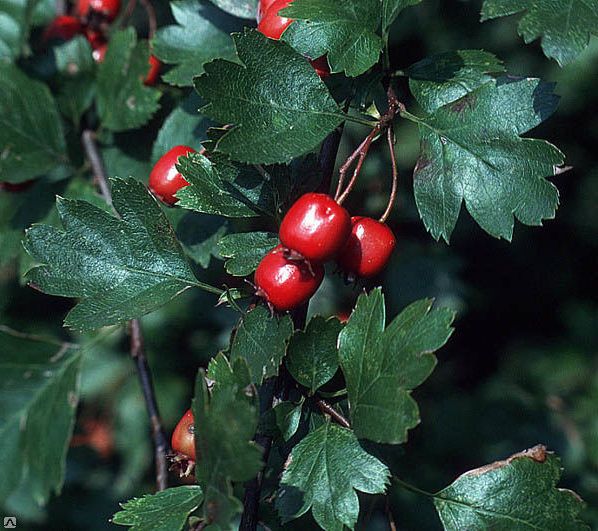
{"x": 165, "y": 180}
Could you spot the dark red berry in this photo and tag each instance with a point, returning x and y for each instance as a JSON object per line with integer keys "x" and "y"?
{"x": 15, "y": 187}
{"x": 153, "y": 72}
{"x": 285, "y": 283}
{"x": 183, "y": 436}
{"x": 321, "y": 66}
{"x": 62, "y": 28}
{"x": 106, "y": 8}
{"x": 165, "y": 180}
{"x": 316, "y": 226}
{"x": 272, "y": 25}
{"x": 368, "y": 248}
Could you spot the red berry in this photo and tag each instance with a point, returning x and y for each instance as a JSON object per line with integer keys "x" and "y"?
{"x": 165, "y": 180}
{"x": 99, "y": 52}
{"x": 321, "y": 66}
{"x": 272, "y": 25}
{"x": 183, "y": 436}
{"x": 262, "y": 7}
{"x": 368, "y": 249}
{"x": 62, "y": 28}
{"x": 153, "y": 72}
{"x": 316, "y": 226}
{"x": 107, "y": 8}
{"x": 286, "y": 283}
{"x": 15, "y": 187}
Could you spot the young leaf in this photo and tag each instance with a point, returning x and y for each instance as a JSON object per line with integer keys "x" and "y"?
{"x": 226, "y": 422}
{"x": 218, "y": 186}
{"x": 120, "y": 268}
{"x": 31, "y": 136}
{"x": 382, "y": 366}
{"x": 245, "y": 250}
{"x": 516, "y": 494}
{"x": 278, "y": 106}
{"x": 313, "y": 354}
{"x": 124, "y": 102}
{"x": 345, "y": 30}
{"x": 565, "y": 26}
{"x": 238, "y": 8}
{"x": 323, "y": 472}
{"x": 262, "y": 340}
{"x": 392, "y": 8}
{"x": 190, "y": 43}
{"x": 446, "y": 77}
{"x": 164, "y": 511}
{"x": 471, "y": 151}
{"x": 38, "y": 400}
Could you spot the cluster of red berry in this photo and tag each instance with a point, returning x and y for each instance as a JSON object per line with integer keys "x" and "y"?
{"x": 91, "y": 18}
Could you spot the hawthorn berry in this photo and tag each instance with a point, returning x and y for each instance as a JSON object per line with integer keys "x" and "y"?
{"x": 262, "y": 7}
{"x": 15, "y": 187}
{"x": 62, "y": 28}
{"x": 165, "y": 180}
{"x": 316, "y": 227}
{"x": 368, "y": 248}
{"x": 99, "y": 52}
{"x": 183, "y": 436}
{"x": 321, "y": 66}
{"x": 106, "y": 8}
{"x": 286, "y": 283}
{"x": 153, "y": 72}
{"x": 272, "y": 25}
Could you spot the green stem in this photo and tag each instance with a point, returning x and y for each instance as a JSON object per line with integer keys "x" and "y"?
{"x": 207, "y": 287}
{"x": 412, "y": 488}
{"x": 362, "y": 121}
{"x": 411, "y": 117}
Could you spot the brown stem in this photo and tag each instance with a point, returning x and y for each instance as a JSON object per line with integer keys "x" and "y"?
{"x": 391, "y": 519}
{"x": 395, "y": 174}
{"x": 327, "y": 409}
{"x": 88, "y": 139}
{"x": 127, "y": 12}
{"x": 362, "y": 152}
{"x": 151, "y": 17}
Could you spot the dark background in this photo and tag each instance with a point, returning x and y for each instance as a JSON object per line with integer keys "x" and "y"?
{"x": 519, "y": 370}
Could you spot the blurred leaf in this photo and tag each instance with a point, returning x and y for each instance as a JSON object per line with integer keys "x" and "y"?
{"x": 565, "y": 26}
{"x": 261, "y": 340}
{"x": 324, "y": 471}
{"x": 471, "y": 151}
{"x": 15, "y": 21}
{"x": 516, "y": 494}
{"x": 245, "y": 251}
{"x": 382, "y": 366}
{"x": 344, "y": 30}
{"x": 391, "y": 9}
{"x": 238, "y": 8}
{"x": 173, "y": 506}
{"x": 444, "y": 78}
{"x": 120, "y": 268}
{"x": 278, "y": 106}
{"x": 31, "y": 135}
{"x": 38, "y": 400}
{"x": 217, "y": 186}
{"x": 313, "y": 354}
{"x": 195, "y": 40}
{"x": 124, "y": 102}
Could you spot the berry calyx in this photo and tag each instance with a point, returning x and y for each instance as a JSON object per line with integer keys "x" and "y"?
{"x": 183, "y": 436}
{"x": 321, "y": 66}
{"x": 153, "y": 72}
{"x": 62, "y": 28}
{"x": 272, "y": 25}
{"x": 165, "y": 180}
{"x": 316, "y": 227}
{"x": 285, "y": 283}
{"x": 368, "y": 248}
{"x": 108, "y": 9}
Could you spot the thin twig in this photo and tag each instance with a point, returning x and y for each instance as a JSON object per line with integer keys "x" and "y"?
{"x": 337, "y": 417}
{"x": 395, "y": 175}
{"x": 151, "y": 17}
{"x": 88, "y": 138}
{"x": 127, "y": 12}
{"x": 391, "y": 519}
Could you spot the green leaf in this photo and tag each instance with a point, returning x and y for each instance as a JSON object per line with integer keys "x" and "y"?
{"x": 325, "y": 470}
{"x": 345, "y": 30}
{"x": 164, "y": 511}
{"x": 238, "y": 8}
{"x": 313, "y": 354}
{"x": 183, "y": 127}
{"x": 190, "y": 43}
{"x": 382, "y": 366}
{"x": 223, "y": 374}
{"x": 391, "y": 9}
{"x": 471, "y": 151}
{"x": 218, "y": 186}
{"x": 278, "y": 106}
{"x": 38, "y": 400}
{"x": 287, "y": 416}
{"x": 444, "y": 78}
{"x": 124, "y": 102}
{"x": 517, "y": 494}
{"x": 228, "y": 421}
{"x": 565, "y": 26}
{"x": 199, "y": 235}
{"x": 31, "y": 136}
{"x": 120, "y": 268}
{"x": 16, "y": 17}
{"x": 245, "y": 250}
{"x": 262, "y": 340}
